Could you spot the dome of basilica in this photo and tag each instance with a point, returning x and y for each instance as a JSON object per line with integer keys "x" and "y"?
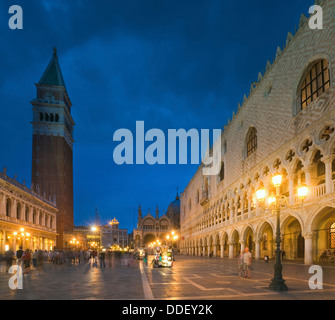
{"x": 174, "y": 207}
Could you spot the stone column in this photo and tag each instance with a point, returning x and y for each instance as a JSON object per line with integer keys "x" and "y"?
{"x": 203, "y": 251}
{"x": 291, "y": 189}
{"x": 242, "y": 245}
{"x": 258, "y": 211}
{"x": 3, "y": 243}
{"x": 307, "y": 171}
{"x": 309, "y": 248}
{"x": 257, "y": 249}
{"x": 2, "y": 204}
{"x": 31, "y": 243}
{"x": 249, "y": 207}
{"x": 14, "y": 244}
{"x": 232, "y": 217}
{"x": 214, "y": 252}
{"x": 37, "y": 217}
{"x": 208, "y": 250}
{"x": 231, "y": 250}
{"x": 31, "y": 214}
{"x": 13, "y": 209}
{"x": 328, "y": 176}
{"x": 222, "y": 250}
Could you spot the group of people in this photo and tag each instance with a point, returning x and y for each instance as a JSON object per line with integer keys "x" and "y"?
{"x": 27, "y": 258}
{"x": 244, "y": 263}
{"x": 328, "y": 256}
{"x": 24, "y": 258}
{"x": 69, "y": 257}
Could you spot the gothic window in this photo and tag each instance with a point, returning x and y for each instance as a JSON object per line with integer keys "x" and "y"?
{"x": 332, "y": 236}
{"x": 316, "y": 82}
{"x": 251, "y": 141}
{"x": 245, "y": 205}
{"x": 222, "y": 171}
{"x": 18, "y": 211}
{"x": 41, "y": 116}
{"x": 57, "y": 117}
{"x": 266, "y": 171}
{"x": 277, "y": 164}
{"x": 289, "y": 156}
{"x": 321, "y": 169}
{"x": 306, "y": 145}
{"x": 52, "y": 117}
{"x": 8, "y": 208}
{"x": 46, "y": 117}
{"x": 238, "y": 205}
{"x": 27, "y": 214}
{"x": 326, "y": 133}
{"x": 320, "y": 166}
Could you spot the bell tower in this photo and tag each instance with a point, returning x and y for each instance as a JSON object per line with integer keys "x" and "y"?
{"x": 52, "y": 156}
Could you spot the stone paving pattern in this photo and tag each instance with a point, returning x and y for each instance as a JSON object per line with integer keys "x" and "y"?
{"x": 200, "y": 278}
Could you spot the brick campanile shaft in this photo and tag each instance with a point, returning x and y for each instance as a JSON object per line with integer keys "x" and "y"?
{"x": 52, "y": 156}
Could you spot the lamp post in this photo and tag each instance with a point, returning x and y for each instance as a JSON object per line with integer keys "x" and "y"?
{"x": 276, "y": 202}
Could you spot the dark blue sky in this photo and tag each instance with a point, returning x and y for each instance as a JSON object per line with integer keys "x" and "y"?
{"x": 173, "y": 64}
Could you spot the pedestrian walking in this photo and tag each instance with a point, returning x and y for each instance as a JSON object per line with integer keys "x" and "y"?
{"x": 247, "y": 257}
{"x": 26, "y": 258}
{"x": 283, "y": 255}
{"x": 240, "y": 264}
{"x": 9, "y": 257}
{"x": 145, "y": 258}
{"x": 102, "y": 257}
{"x": 19, "y": 254}
{"x": 35, "y": 255}
{"x": 95, "y": 258}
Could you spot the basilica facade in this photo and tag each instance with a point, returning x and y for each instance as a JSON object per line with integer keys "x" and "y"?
{"x": 285, "y": 125}
{"x": 151, "y": 228}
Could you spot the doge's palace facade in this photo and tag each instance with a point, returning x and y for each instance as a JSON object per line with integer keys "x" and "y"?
{"x": 286, "y": 125}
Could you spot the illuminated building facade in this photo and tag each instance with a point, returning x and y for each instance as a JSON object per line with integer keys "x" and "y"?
{"x": 150, "y": 228}
{"x": 114, "y": 237}
{"x": 286, "y": 125}
{"x": 27, "y": 219}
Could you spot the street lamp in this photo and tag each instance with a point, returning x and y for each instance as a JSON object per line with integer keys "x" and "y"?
{"x": 276, "y": 202}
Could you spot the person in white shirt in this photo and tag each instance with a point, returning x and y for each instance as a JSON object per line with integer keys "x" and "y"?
{"x": 247, "y": 257}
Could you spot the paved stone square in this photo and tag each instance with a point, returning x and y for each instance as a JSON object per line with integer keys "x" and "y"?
{"x": 199, "y": 278}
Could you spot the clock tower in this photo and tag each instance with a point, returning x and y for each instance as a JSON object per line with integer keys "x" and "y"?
{"x": 52, "y": 156}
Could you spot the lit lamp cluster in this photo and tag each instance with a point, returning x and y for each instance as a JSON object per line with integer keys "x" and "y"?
{"x": 74, "y": 241}
{"x": 24, "y": 236}
{"x": 275, "y": 202}
{"x": 154, "y": 244}
{"x": 277, "y": 180}
{"x": 172, "y": 236}
{"x": 94, "y": 244}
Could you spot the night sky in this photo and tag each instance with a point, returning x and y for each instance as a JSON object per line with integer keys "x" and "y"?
{"x": 172, "y": 64}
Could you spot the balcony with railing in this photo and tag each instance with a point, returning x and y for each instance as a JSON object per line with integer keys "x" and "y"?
{"x": 315, "y": 194}
{"x": 27, "y": 224}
